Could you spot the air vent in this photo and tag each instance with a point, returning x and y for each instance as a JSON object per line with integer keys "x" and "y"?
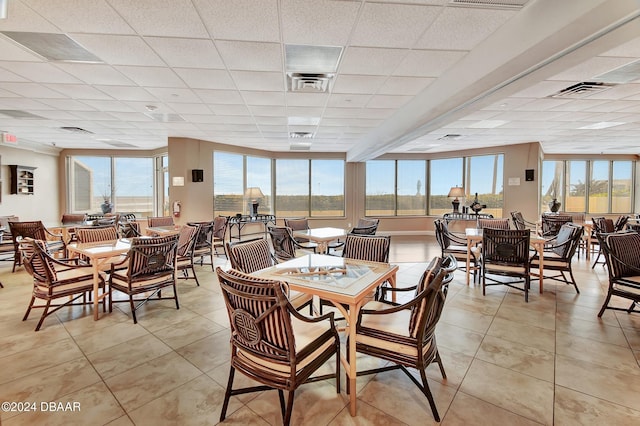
{"x": 20, "y": 115}
{"x": 165, "y": 118}
{"x": 302, "y": 146}
{"x": 624, "y": 74}
{"x": 77, "y": 130}
{"x": 450, "y": 137}
{"x": 582, "y": 90}
{"x": 496, "y": 4}
{"x": 119, "y": 144}
{"x": 310, "y": 83}
{"x": 54, "y": 47}
{"x": 300, "y": 135}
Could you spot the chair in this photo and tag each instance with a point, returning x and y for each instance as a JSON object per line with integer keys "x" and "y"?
{"x": 558, "y": 256}
{"x": 505, "y": 252}
{"x": 301, "y": 224}
{"x": 456, "y": 245}
{"x": 493, "y": 223}
{"x": 150, "y": 266}
{"x": 36, "y": 230}
{"x": 93, "y": 234}
{"x": 284, "y": 245}
{"x": 186, "y": 244}
{"x": 405, "y": 334}
{"x": 202, "y": 246}
{"x": 520, "y": 223}
{"x": 622, "y": 254}
{"x": 219, "y": 231}
{"x": 159, "y": 221}
{"x": 73, "y": 219}
{"x": 620, "y": 223}
{"x": 252, "y": 255}
{"x": 363, "y": 227}
{"x": 633, "y": 227}
{"x": 370, "y": 248}
{"x": 7, "y": 249}
{"x": 601, "y": 225}
{"x": 271, "y": 342}
{"x": 126, "y": 217}
{"x": 551, "y": 224}
{"x": 54, "y": 279}
{"x": 128, "y": 229}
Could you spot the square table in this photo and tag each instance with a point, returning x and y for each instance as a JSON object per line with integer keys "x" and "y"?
{"x": 341, "y": 281}
{"x": 474, "y": 236}
{"x": 162, "y": 231}
{"x": 99, "y": 253}
{"x": 322, "y": 236}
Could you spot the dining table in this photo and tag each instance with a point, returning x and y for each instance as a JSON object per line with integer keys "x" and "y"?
{"x": 347, "y": 283}
{"x": 474, "y": 236}
{"x": 99, "y": 254}
{"x": 162, "y": 231}
{"x": 321, "y": 236}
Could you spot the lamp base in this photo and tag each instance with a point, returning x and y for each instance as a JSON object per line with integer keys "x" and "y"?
{"x": 456, "y": 205}
{"x": 254, "y": 209}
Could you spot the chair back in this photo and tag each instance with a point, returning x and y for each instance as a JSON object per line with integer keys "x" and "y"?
{"x": 259, "y": 315}
{"x": 364, "y": 222}
{"x": 69, "y": 218}
{"x": 568, "y": 240}
{"x": 93, "y": 234}
{"x": 38, "y": 261}
{"x": 603, "y": 225}
{"x": 282, "y": 242}
{"x": 220, "y": 227}
{"x": 153, "y": 221}
{"x": 633, "y": 227}
{"x": 552, "y": 223}
{"x": 493, "y": 223}
{"x": 250, "y": 255}
{"x": 622, "y": 253}
{"x": 369, "y": 248}
{"x": 32, "y": 229}
{"x": 364, "y": 230}
{"x": 187, "y": 240}
{"x": 442, "y": 236}
{"x": 518, "y": 220}
{"x": 506, "y": 247}
{"x": 205, "y": 234}
{"x": 152, "y": 257}
{"x": 297, "y": 224}
{"x": 108, "y": 220}
{"x": 620, "y": 223}
{"x": 128, "y": 229}
{"x": 431, "y": 294}
{"x": 126, "y": 217}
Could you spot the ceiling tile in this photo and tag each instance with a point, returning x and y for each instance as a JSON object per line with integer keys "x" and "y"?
{"x": 6, "y": 75}
{"x": 174, "y": 18}
{"x": 219, "y": 96}
{"x": 404, "y": 85}
{"x": 263, "y": 98}
{"x": 427, "y": 63}
{"x": 348, "y": 100}
{"x": 330, "y": 22}
{"x": 11, "y": 51}
{"x": 591, "y": 68}
{"x": 251, "y": 20}
{"x": 107, "y": 105}
{"x": 119, "y": 49}
{"x": 360, "y": 84}
{"x": 127, "y": 93}
{"x": 40, "y": 72}
{"x": 95, "y": 73}
{"x": 255, "y": 80}
{"x": 252, "y": 56}
{"x": 306, "y": 99}
{"x": 23, "y": 18}
{"x": 271, "y": 111}
{"x": 174, "y": 95}
{"x": 78, "y": 91}
{"x": 186, "y": 52}
{"x": 94, "y": 16}
{"x": 30, "y": 90}
{"x": 205, "y": 79}
{"x": 221, "y": 109}
{"x": 371, "y": 61}
{"x": 152, "y": 76}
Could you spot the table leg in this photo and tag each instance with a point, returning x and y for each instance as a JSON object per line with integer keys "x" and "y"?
{"x": 322, "y": 247}
{"x": 541, "y": 260}
{"x": 352, "y": 372}
{"x": 96, "y": 289}
{"x": 468, "y": 264}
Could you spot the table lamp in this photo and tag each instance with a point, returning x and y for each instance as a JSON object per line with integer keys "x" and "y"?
{"x": 254, "y": 193}
{"x": 456, "y": 192}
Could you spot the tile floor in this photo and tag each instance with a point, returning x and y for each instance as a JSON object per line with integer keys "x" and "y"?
{"x": 551, "y": 361}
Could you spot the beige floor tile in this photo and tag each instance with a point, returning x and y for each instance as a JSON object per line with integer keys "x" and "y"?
{"x": 575, "y": 408}
{"x": 93, "y": 405}
{"x": 77, "y": 326}
{"x": 127, "y": 355}
{"x": 523, "y": 359}
{"x": 197, "y": 402}
{"x": 633, "y": 338}
{"x": 188, "y": 331}
{"x": 467, "y": 410}
{"x": 136, "y": 387}
{"x": 567, "y": 311}
{"x": 162, "y": 314}
{"x": 395, "y": 394}
{"x": 105, "y": 337}
{"x": 612, "y": 356}
{"x": 458, "y": 339}
{"x": 202, "y": 355}
{"x": 537, "y": 337}
{"x": 367, "y": 415}
{"x": 455, "y": 364}
{"x": 593, "y": 330}
{"x": 599, "y": 381}
{"x": 121, "y": 421}
{"x": 245, "y": 417}
{"x": 33, "y": 360}
{"x": 466, "y": 319}
{"x": 544, "y": 319}
{"x": 480, "y": 305}
{"x": 516, "y": 392}
{"x": 14, "y": 343}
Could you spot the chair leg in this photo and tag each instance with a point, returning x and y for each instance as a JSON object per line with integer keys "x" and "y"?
{"x": 283, "y": 407}
{"x": 227, "y": 394}
{"x": 26, "y": 315}
{"x": 573, "y": 281}
{"x": 175, "y": 294}
{"x": 526, "y": 289}
{"x": 44, "y": 315}
{"x": 439, "y": 361}
{"x": 133, "y": 309}
{"x": 110, "y": 299}
{"x": 195, "y": 277}
{"x": 427, "y": 392}
{"x": 606, "y": 303}
{"x": 287, "y": 418}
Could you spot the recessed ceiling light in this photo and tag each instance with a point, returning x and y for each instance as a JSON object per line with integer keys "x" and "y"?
{"x": 487, "y": 124}
{"x": 54, "y": 47}
{"x": 315, "y": 59}
{"x": 601, "y": 125}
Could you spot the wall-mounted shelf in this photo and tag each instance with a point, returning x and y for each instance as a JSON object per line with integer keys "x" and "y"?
{"x": 21, "y": 179}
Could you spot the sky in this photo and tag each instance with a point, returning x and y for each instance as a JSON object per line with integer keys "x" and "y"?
{"x": 134, "y": 175}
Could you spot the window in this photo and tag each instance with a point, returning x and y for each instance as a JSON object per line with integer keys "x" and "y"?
{"x": 411, "y": 187}
{"x": 596, "y": 187}
{"x": 380, "y": 188}
{"x": 292, "y": 188}
{"x": 259, "y": 176}
{"x": 110, "y": 184}
{"x": 443, "y": 175}
{"x": 228, "y": 184}
{"x": 327, "y": 188}
{"x": 484, "y": 177}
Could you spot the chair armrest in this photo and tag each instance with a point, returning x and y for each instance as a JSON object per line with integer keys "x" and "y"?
{"x": 328, "y": 316}
{"x": 53, "y": 235}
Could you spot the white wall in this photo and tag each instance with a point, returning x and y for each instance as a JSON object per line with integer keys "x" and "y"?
{"x": 44, "y": 203}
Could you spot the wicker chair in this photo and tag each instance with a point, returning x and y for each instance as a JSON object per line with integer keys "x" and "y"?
{"x": 186, "y": 244}
{"x": 622, "y": 254}
{"x": 95, "y": 234}
{"x": 601, "y": 225}
{"x": 551, "y": 224}
{"x": 150, "y": 266}
{"x": 505, "y": 252}
{"x": 55, "y": 279}
{"x": 129, "y": 229}
{"x": 252, "y": 255}
{"x": 271, "y": 342}
{"x": 405, "y": 334}
{"x": 219, "y": 232}
{"x": 284, "y": 245}
{"x": 300, "y": 224}
{"x": 456, "y": 245}
{"x": 153, "y": 221}
{"x": 202, "y": 246}
{"x": 494, "y": 223}
{"x": 558, "y": 256}
{"x": 36, "y": 230}
{"x": 620, "y": 223}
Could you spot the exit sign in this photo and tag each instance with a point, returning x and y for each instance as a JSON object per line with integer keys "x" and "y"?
{"x": 9, "y": 138}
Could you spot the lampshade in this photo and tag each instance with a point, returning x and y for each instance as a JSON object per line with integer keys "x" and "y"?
{"x": 253, "y": 192}
{"x": 456, "y": 191}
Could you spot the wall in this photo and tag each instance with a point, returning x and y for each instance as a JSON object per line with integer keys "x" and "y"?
{"x": 44, "y": 203}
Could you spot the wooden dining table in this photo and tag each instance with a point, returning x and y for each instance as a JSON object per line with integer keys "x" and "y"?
{"x": 343, "y": 282}
{"x": 99, "y": 254}
{"x": 322, "y": 236}
{"x": 474, "y": 236}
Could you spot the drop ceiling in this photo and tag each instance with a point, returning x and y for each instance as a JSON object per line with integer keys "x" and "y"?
{"x": 401, "y": 76}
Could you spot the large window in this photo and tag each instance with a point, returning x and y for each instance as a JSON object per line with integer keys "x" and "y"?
{"x": 597, "y": 186}
{"x": 484, "y": 177}
{"x": 111, "y": 184}
{"x": 381, "y": 188}
{"x": 228, "y": 184}
{"x": 411, "y": 187}
{"x": 444, "y": 174}
{"x": 327, "y": 188}
{"x": 292, "y": 188}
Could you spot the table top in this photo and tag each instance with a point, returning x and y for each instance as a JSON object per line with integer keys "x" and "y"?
{"x": 101, "y": 248}
{"x": 337, "y": 278}
{"x": 321, "y": 233}
{"x": 164, "y": 230}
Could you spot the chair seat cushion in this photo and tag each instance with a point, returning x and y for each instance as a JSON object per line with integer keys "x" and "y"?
{"x": 119, "y": 280}
{"x": 550, "y": 259}
{"x": 629, "y": 288}
{"x": 490, "y": 267}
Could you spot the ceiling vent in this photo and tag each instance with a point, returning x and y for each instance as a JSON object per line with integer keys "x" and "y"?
{"x": 20, "y": 115}
{"x": 582, "y": 90}
{"x": 624, "y": 74}
{"x": 54, "y": 47}
{"x": 302, "y": 146}
{"x": 119, "y": 144}
{"x": 76, "y": 130}
{"x": 300, "y": 135}
{"x": 165, "y": 117}
{"x": 450, "y": 137}
{"x": 309, "y": 83}
{"x": 495, "y": 4}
